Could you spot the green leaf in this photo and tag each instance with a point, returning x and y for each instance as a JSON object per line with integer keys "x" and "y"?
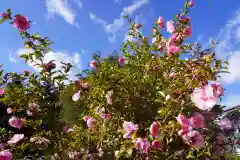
{"x": 129, "y": 152}
{"x": 9, "y": 11}
{"x": 1, "y": 73}
{"x": 3, "y": 20}
{"x": 36, "y": 35}
{"x": 161, "y": 93}
{"x": 190, "y": 155}
{"x": 25, "y": 56}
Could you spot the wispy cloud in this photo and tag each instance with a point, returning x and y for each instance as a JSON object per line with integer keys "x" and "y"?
{"x": 232, "y": 100}
{"x": 229, "y": 48}
{"x": 117, "y": 1}
{"x": 118, "y": 24}
{"x": 66, "y": 57}
{"x": 62, "y": 8}
{"x": 12, "y": 58}
{"x": 79, "y": 3}
{"x": 96, "y": 19}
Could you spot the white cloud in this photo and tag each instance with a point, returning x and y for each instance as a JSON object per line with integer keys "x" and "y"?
{"x": 96, "y": 20}
{"x": 74, "y": 59}
{"x": 12, "y": 58}
{"x": 117, "y": 1}
{"x": 229, "y": 48}
{"x": 233, "y": 68}
{"x": 62, "y": 8}
{"x": 79, "y": 3}
{"x": 118, "y": 24}
{"x": 232, "y": 100}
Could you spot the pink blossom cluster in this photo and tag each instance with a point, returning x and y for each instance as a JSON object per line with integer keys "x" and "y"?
{"x": 93, "y": 64}
{"x": 6, "y": 155}
{"x": 2, "y": 92}
{"x": 90, "y": 121}
{"x": 142, "y": 143}
{"x": 19, "y": 21}
{"x": 172, "y": 45}
{"x": 207, "y": 96}
{"x": 188, "y": 132}
{"x": 109, "y": 97}
{"x": 15, "y": 122}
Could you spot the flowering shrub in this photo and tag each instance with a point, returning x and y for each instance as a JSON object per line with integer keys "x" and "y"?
{"x": 148, "y": 103}
{"x": 33, "y": 99}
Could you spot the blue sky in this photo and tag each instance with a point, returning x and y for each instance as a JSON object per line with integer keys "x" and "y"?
{"x": 80, "y": 27}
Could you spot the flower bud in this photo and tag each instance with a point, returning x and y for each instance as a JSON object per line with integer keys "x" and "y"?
{"x": 191, "y": 3}
{"x": 156, "y": 144}
{"x": 137, "y": 26}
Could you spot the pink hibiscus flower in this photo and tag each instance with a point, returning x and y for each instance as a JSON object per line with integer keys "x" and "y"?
{"x": 129, "y": 129}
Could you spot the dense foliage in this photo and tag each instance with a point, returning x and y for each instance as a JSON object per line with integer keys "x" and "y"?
{"x": 156, "y": 100}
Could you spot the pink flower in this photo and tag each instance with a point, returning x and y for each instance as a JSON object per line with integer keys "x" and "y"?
{"x": 172, "y": 49}
{"x": 156, "y": 144}
{"x": 69, "y": 131}
{"x": 6, "y": 155}
{"x": 225, "y": 124}
{"x": 154, "y": 129}
{"x": 109, "y": 97}
{"x": 142, "y": 144}
{"x": 33, "y": 106}
{"x": 173, "y": 38}
{"x": 197, "y": 120}
{"x": 187, "y": 31}
{"x": 170, "y": 26}
{"x": 93, "y": 64}
{"x": 15, "y": 122}
{"x": 197, "y": 139}
{"x": 106, "y": 116}
{"x": 171, "y": 75}
{"x": 2, "y": 92}
{"x": 168, "y": 97}
{"x": 76, "y": 96}
{"x": 65, "y": 129}
{"x": 15, "y": 139}
{"x": 137, "y": 26}
{"x": 1, "y": 146}
{"x": 184, "y": 18}
{"x": 4, "y": 15}
{"x": 204, "y": 97}
{"x": 29, "y": 113}
{"x": 121, "y": 59}
{"x": 91, "y": 123}
{"x": 191, "y": 3}
{"x": 9, "y": 111}
{"x": 21, "y": 23}
{"x": 183, "y": 131}
{"x": 161, "y": 22}
{"x": 184, "y": 122}
{"x": 194, "y": 138}
{"x": 217, "y": 89}
{"x": 85, "y": 118}
{"x": 129, "y": 129}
